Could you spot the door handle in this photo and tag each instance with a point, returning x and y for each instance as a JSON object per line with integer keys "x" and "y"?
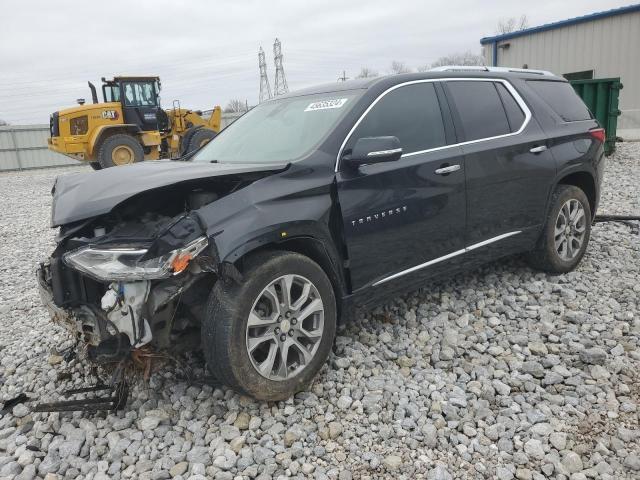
{"x": 539, "y": 149}
{"x": 446, "y": 170}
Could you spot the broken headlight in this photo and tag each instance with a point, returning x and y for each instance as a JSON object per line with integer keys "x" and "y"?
{"x": 124, "y": 263}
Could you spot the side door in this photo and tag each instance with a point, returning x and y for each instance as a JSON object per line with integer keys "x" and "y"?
{"x": 399, "y": 215}
{"x": 509, "y": 169}
{"x": 139, "y": 104}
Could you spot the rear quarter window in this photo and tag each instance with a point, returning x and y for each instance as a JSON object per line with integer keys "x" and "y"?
{"x": 562, "y": 99}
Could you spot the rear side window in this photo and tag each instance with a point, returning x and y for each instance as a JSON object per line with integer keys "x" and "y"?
{"x": 481, "y": 112}
{"x": 411, "y": 113}
{"x": 515, "y": 115}
{"x": 562, "y": 99}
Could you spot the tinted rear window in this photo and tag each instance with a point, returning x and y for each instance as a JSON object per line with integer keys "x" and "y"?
{"x": 562, "y": 99}
{"x": 480, "y": 108}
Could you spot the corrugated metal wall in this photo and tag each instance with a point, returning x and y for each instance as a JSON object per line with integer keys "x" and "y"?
{"x": 25, "y": 146}
{"x": 608, "y": 46}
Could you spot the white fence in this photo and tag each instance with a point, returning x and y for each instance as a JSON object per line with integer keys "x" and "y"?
{"x": 25, "y": 146}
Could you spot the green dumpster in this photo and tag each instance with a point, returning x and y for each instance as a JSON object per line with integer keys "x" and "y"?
{"x": 601, "y": 96}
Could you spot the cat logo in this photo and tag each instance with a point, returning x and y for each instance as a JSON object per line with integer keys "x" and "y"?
{"x": 110, "y": 114}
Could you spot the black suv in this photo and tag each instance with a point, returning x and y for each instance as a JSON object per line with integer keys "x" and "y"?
{"x": 313, "y": 203}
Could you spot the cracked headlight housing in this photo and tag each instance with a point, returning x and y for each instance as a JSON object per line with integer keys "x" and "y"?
{"x": 130, "y": 264}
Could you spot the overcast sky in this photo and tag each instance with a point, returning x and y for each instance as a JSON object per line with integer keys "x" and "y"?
{"x": 205, "y": 51}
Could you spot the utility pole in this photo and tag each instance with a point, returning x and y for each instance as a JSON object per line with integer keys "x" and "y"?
{"x": 265, "y": 88}
{"x": 280, "y": 85}
{"x": 344, "y": 77}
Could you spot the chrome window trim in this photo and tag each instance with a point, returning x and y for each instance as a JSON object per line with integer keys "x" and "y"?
{"x": 521, "y": 103}
{"x": 380, "y": 153}
{"x": 446, "y": 257}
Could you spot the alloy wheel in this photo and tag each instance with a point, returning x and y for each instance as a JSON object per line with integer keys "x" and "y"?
{"x": 285, "y": 327}
{"x": 570, "y": 229}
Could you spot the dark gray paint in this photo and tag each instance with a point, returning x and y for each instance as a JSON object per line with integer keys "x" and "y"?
{"x": 85, "y": 195}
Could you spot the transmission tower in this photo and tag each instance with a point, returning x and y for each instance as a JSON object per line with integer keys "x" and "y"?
{"x": 280, "y": 87}
{"x": 265, "y": 88}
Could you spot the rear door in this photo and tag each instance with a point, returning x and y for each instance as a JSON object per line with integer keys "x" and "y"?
{"x": 399, "y": 215}
{"x": 509, "y": 169}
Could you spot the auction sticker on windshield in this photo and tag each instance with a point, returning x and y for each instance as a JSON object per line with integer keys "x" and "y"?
{"x": 326, "y": 104}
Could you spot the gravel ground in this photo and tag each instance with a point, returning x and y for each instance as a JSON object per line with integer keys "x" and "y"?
{"x": 499, "y": 373}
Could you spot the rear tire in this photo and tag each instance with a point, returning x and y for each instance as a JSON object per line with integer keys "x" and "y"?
{"x": 566, "y": 232}
{"x": 199, "y": 139}
{"x": 251, "y": 336}
{"x": 120, "y": 149}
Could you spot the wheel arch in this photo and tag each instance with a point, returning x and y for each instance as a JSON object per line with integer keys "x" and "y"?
{"x": 104, "y": 131}
{"x": 586, "y": 182}
{"x": 316, "y": 250}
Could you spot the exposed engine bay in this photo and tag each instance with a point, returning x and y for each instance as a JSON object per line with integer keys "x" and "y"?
{"x": 140, "y": 275}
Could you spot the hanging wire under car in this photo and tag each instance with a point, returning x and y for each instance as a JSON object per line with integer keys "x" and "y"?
{"x": 632, "y": 221}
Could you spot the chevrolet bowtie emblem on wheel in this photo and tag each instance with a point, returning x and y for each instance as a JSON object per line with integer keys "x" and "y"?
{"x": 380, "y": 215}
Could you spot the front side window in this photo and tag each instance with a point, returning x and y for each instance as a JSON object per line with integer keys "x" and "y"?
{"x": 411, "y": 113}
{"x": 280, "y": 130}
{"x": 139, "y": 94}
{"x": 482, "y": 114}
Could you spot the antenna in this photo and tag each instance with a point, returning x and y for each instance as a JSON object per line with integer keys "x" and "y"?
{"x": 265, "y": 88}
{"x": 280, "y": 87}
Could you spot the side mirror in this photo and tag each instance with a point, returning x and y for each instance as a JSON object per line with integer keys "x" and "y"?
{"x": 374, "y": 150}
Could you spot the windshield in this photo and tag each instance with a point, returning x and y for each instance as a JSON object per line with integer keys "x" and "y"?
{"x": 280, "y": 130}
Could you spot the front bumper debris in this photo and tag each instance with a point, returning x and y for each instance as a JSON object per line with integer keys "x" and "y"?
{"x": 119, "y": 393}
{"x": 81, "y": 323}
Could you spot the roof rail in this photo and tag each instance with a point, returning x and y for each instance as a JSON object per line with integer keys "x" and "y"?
{"x": 483, "y": 68}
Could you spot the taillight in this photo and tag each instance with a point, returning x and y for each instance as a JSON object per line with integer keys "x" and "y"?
{"x": 598, "y": 134}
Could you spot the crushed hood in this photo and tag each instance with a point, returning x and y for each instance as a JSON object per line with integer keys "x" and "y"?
{"x": 85, "y": 195}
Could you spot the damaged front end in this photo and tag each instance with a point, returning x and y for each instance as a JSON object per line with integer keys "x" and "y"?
{"x": 136, "y": 260}
{"x": 115, "y": 293}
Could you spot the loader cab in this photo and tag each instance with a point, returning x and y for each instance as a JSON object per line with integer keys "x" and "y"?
{"x": 139, "y": 97}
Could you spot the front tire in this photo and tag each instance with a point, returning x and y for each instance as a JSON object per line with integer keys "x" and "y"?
{"x": 199, "y": 139}
{"x": 269, "y": 335}
{"x": 566, "y": 232}
{"x": 120, "y": 149}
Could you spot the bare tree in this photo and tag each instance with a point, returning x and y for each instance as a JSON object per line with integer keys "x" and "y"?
{"x": 399, "y": 67}
{"x": 508, "y": 25}
{"x": 3, "y": 123}
{"x": 466, "y": 58}
{"x": 236, "y": 105}
{"x": 366, "y": 72}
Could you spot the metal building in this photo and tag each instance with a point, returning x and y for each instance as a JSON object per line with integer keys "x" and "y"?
{"x": 601, "y": 45}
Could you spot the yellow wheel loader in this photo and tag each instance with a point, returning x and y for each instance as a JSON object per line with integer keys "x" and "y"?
{"x": 129, "y": 125}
